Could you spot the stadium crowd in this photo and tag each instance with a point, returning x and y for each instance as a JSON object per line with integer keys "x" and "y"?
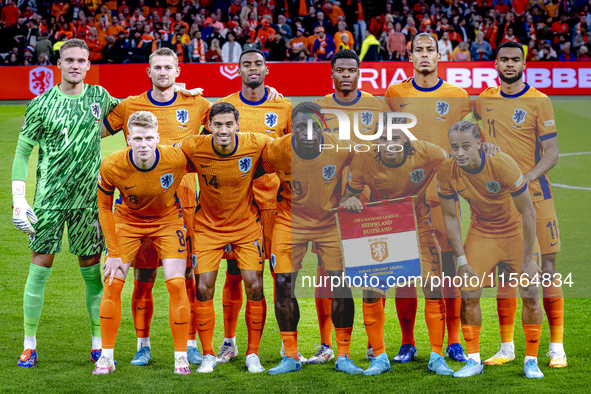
{"x": 128, "y": 31}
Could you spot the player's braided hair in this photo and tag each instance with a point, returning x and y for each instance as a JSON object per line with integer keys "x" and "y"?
{"x": 344, "y": 54}
{"x": 464, "y": 126}
{"x": 409, "y": 150}
{"x": 73, "y": 43}
{"x": 143, "y": 119}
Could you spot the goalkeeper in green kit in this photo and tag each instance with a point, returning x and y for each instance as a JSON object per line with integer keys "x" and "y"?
{"x": 66, "y": 123}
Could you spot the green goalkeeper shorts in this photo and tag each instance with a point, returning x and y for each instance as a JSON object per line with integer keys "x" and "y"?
{"x": 85, "y": 236}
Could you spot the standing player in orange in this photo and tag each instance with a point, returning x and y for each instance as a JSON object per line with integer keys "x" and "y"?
{"x": 354, "y": 103}
{"x": 311, "y": 184}
{"x": 147, "y": 177}
{"x": 503, "y": 230}
{"x": 227, "y": 214}
{"x": 260, "y": 112}
{"x": 400, "y": 168}
{"x": 520, "y": 120}
{"x": 179, "y": 116}
{"x": 437, "y": 105}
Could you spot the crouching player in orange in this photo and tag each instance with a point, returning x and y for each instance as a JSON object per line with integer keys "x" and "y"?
{"x": 147, "y": 177}
{"x": 400, "y": 168}
{"x": 311, "y": 184}
{"x": 503, "y": 230}
{"x": 225, "y": 162}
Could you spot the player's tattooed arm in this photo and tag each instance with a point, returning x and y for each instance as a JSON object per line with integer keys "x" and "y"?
{"x": 546, "y": 163}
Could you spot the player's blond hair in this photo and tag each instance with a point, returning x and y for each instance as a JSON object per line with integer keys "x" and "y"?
{"x": 73, "y": 43}
{"x": 143, "y": 119}
{"x": 165, "y": 52}
{"x": 464, "y": 126}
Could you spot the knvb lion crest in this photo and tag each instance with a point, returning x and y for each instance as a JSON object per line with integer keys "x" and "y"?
{"x": 442, "y": 107}
{"x": 182, "y": 116}
{"x": 417, "y": 175}
{"x": 519, "y": 115}
{"x": 329, "y": 171}
{"x": 245, "y": 164}
{"x": 366, "y": 118}
{"x": 95, "y": 108}
{"x": 166, "y": 180}
{"x": 40, "y": 80}
{"x": 271, "y": 120}
{"x": 379, "y": 251}
{"x": 493, "y": 187}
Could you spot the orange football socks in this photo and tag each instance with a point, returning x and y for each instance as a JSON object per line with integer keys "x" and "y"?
{"x": 343, "y": 340}
{"x": 256, "y": 314}
{"x": 533, "y": 333}
{"x": 435, "y": 318}
{"x": 554, "y": 307}
{"x": 373, "y": 318}
{"x": 290, "y": 343}
{"x": 190, "y": 286}
{"x": 206, "y": 324}
{"x": 179, "y": 312}
{"x": 110, "y": 312}
{"x": 232, "y": 303}
{"x": 142, "y": 307}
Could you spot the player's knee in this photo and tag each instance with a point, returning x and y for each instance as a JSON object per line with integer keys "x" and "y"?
{"x": 531, "y": 303}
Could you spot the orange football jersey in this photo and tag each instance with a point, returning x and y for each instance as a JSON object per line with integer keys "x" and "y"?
{"x": 146, "y": 195}
{"x": 309, "y": 187}
{"x": 366, "y": 108}
{"x": 226, "y": 202}
{"x": 489, "y": 190}
{"x": 436, "y": 108}
{"x": 518, "y": 124}
{"x": 273, "y": 118}
{"x": 177, "y": 119}
{"x": 410, "y": 178}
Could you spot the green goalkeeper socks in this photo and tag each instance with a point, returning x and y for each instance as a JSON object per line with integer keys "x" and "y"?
{"x": 33, "y": 298}
{"x": 94, "y": 292}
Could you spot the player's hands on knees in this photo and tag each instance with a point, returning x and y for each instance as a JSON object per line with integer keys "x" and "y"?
{"x": 353, "y": 205}
{"x": 490, "y": 149}
{"x": 23, "y": 216}
{"x": 530, "y": 269}
{"x": 273, "y": 94}
{"x": 180, "y": 87}
{"x": 112, "y": 267}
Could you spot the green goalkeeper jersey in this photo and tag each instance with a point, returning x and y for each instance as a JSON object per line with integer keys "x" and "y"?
{"x": 68, "y": 131}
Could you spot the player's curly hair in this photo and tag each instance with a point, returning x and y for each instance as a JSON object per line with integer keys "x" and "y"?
{"x": 344, "y": 54}
{"x": 143, "y": 119}
{"x": 464, "y": 126}
{"x": 409, "y": 150}
{"x": 73, "y": 43}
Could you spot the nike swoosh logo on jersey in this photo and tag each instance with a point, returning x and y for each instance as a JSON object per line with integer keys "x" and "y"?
{"x": 96, "y": 245}
{"x": 404, "y": 105}
{"x": 181, "y": 250}
{"x": 202, "y": 166}
{"x": 327, "y": 119}
{"x": 379, "y": 183}
{"x": 488, "y": 109}
{"x": 553, "y": 244}
{"x": 62, "y": 118}
{"x": 287, "y": 173}
{"x": 130, "y": 187}
{"x": 459, "y": 191}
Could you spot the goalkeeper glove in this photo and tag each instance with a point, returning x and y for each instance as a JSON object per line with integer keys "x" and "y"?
{"x": 23, "y": 216}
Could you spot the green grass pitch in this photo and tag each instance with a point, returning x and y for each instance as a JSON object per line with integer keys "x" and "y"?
{"x": 64, "y": 340}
